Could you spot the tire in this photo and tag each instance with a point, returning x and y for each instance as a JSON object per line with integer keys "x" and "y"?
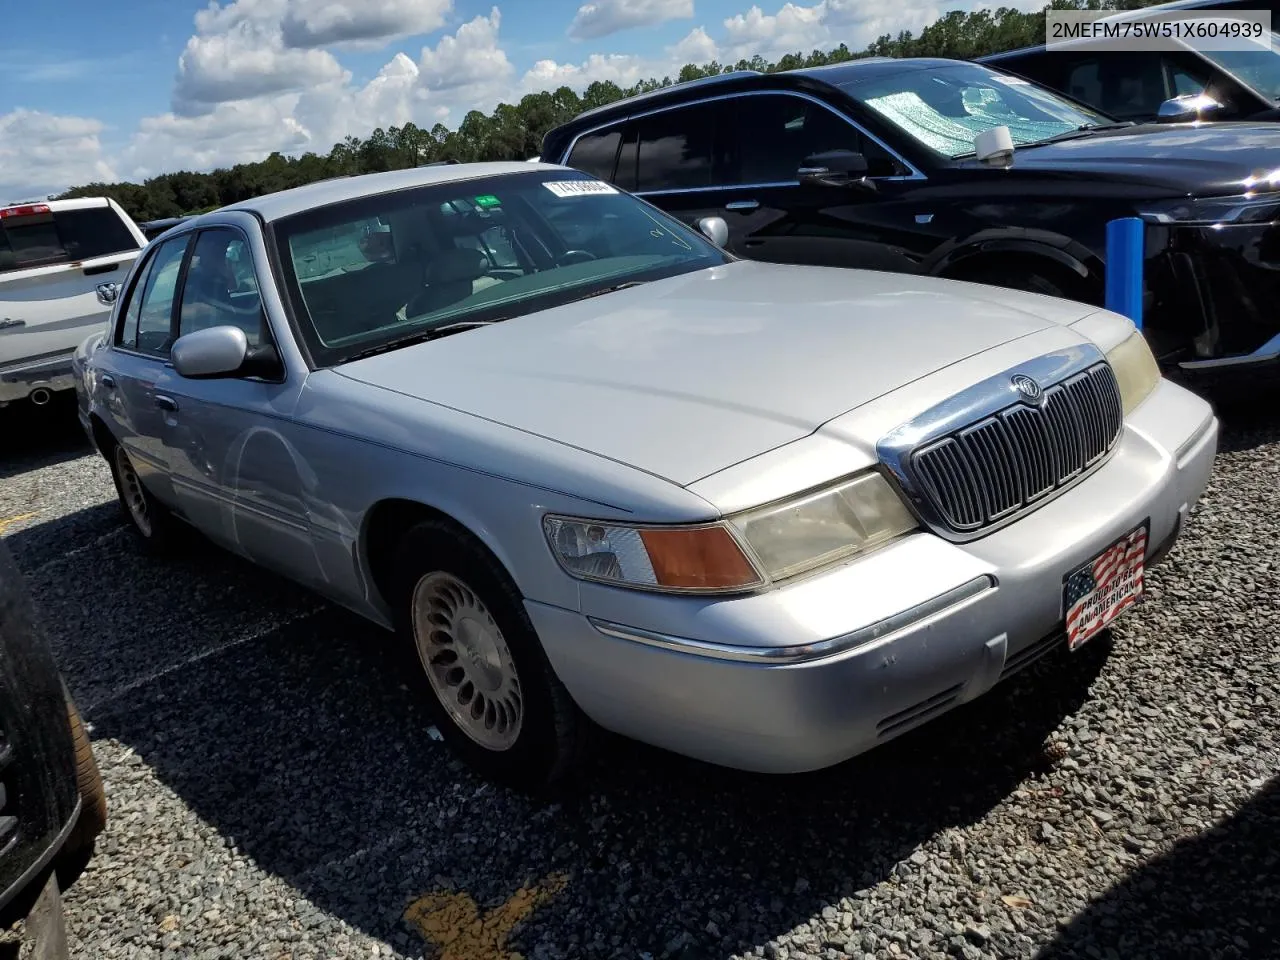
{"x": 79, "y": 847}
{"x": 153, "y": 523}
{"x": 531, "y": 736}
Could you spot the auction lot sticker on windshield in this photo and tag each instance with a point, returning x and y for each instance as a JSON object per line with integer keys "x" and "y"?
{"x": 1095, "y": 594}
{"x": 579, "y": 188}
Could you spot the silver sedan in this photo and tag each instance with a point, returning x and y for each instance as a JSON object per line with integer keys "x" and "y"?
{"x": 600, "y": 472}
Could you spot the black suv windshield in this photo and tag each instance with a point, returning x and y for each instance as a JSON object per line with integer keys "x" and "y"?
{"x": 1258, "y": 68}
{"x": 371, "y": 273}
{"x": 945, "y": 108}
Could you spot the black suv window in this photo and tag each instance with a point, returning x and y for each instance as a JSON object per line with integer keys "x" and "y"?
{"x": 1129, "y": 86}
{"x": 774, "y": 133}
{"x": 676, "y": 149}
{"x": 595, "y": 153}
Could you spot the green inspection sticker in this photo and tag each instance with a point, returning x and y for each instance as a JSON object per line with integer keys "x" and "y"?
{"x": 488, "y": 200}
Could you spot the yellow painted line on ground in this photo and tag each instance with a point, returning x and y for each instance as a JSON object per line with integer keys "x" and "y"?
{"x": 8, "y": 522}
{"x": 453, "y": 922}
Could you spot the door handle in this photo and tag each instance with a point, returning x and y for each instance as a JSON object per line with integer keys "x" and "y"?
{"x": 166, "y": 403}
{"x": 742, "y": 205}
{"x": 108, "y": 381}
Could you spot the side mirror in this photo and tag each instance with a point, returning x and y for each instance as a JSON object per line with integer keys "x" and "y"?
{"x": 1187, "y": 106}
{"x": 222, "y": 352}
{"x": 715, "y": 230}
{"x": 836, "y": 168}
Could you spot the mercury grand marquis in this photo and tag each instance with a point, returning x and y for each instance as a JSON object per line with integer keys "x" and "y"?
{"x": 601, "y": 473}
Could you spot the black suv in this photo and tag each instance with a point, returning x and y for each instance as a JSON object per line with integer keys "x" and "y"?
{"x": 1149, "y": 85}
{"x": 52, "y": 804}
{"x": 872, "y": 163}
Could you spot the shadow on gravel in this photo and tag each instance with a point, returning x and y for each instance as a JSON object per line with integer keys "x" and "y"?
{"x": 1250, "y": 419}
{"x": 1213, "y": 895}
{"x": 40, "y": 436}
{"x": 288, "y": 726}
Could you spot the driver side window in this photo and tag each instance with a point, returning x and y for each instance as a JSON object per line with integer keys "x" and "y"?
{"x": 220, "y": 288}
{"x": 774, "y": 133}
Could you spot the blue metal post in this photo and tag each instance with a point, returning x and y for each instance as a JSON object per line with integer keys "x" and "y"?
{"x": 1124, "y": 267}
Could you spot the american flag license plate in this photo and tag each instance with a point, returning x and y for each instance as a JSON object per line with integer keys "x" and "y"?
{"x": 1095, "y": 594}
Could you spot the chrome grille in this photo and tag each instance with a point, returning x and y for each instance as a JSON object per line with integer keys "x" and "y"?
{"x": 998, "y": 466}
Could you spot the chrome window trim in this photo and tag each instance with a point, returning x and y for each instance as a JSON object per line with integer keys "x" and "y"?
{"x": 803, "y": 653}
{"x": 627, "y": 118}
{"x": 982, "y": 400}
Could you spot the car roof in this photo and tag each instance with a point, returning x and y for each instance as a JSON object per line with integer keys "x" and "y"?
{"x": 286, "y": 203}
{"x": 824, "y": 78}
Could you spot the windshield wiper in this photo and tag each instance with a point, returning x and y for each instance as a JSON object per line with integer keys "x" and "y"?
{"x": 601, "y": 292}
{"x": 1081, "y": 131}
{"x": 434, "y": 333}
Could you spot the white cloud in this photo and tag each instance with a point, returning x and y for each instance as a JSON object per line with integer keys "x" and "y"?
{"x": 626, "y": 70}
{"x": 317, "y": 23}
{"x": 801, "y": 28}
{"x": 231, "y": 133}
{"x": 242, "y": 58}
{"x": 697, "y": 47}
{"x": 467, "y": 70}
{"x": 42, "y": 153}
{"x": 603, "y": 17}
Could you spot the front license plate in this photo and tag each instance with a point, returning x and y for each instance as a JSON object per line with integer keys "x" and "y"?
{"x": 1096, "y": 593}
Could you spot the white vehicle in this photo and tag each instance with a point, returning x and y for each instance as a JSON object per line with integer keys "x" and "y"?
{"x": 61, "y": 265}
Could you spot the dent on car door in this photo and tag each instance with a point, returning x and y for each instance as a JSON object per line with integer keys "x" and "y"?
{"x": 134, "y": 373}
{"x": 773, "y": 217}
{"x": 236, "y": 470}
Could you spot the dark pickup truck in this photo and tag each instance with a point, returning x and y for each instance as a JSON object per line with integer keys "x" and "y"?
{"x": 52, "y": 804}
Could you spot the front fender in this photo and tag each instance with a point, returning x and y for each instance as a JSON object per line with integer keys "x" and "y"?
{"x": 1062, "y": 250}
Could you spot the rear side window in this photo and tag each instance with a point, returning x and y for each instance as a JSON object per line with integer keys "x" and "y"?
{"x": 64, "y": 236}
{"x": 676, "y": 149}
{"x": 595, "y": 153}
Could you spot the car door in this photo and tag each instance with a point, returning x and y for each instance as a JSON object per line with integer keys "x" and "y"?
{"x": 237, "y": 475}
{"x": 765, "y": 138}
{"x": 134, "y": 372}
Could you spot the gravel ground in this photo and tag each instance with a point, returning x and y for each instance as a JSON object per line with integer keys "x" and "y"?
{"x": 275, "y": 791}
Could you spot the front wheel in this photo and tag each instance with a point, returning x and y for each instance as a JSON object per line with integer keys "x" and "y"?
{"x": 497, "y": 703}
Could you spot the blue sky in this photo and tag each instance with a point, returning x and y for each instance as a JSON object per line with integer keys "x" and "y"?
{"x": 131, "y": 89}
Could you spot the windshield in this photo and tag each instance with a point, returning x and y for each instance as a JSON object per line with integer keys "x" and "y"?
{"x": 945, "y": 108}
{"x": 369, "y": 273}
{"x": 1258, "y": 68}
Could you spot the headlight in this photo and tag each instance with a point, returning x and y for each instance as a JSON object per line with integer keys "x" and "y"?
{"x": 1252, "y": 207}
{"x": 1135, "y": 368}
{"x": 770, "y": 543}
{"x": 825, "y": 526}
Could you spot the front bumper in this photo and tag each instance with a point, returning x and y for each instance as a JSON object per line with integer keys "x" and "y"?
{"x": 808, "y": 675}
{"x": 18, "y": 381}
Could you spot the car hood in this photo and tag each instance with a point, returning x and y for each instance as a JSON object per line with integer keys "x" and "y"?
{"x": 685, "y": 376}
{"x": 1205, "y": 159}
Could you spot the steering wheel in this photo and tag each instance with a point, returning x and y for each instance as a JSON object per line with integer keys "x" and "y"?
{"x": 574, "y": 256}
